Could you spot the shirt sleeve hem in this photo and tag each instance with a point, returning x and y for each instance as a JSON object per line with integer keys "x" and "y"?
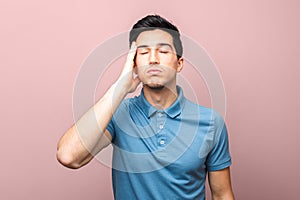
{"x": 110, "y": 131}
{"x": 219, "y": 167}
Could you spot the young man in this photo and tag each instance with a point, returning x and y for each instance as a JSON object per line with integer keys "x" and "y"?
{"x": 164, "y": 144}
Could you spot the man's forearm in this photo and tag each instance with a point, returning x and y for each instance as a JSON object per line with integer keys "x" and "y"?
{"x": 94, "y": 123}
{"x": 76, "y": 146}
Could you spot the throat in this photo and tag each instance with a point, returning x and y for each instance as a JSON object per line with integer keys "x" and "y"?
{"x": 160, "y": 97}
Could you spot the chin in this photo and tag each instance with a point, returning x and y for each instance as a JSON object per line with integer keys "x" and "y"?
{"x": 154, "y": 86}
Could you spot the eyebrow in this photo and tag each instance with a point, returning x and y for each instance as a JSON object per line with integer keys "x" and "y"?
{"x": 159, "y": 44}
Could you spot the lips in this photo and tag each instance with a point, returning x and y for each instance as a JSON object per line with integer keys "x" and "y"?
{"x": 153, "y": 71}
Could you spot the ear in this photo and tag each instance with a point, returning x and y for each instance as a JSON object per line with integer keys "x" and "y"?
{"x": 180, "y": 64}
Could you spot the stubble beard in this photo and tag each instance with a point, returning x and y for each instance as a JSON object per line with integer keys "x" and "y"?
{"x": 155, "y": 86}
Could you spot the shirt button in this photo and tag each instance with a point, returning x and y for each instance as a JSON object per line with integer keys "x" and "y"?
{"x": 162, "y": 142}
{"x": 161, "y": 126}
{"x": 159, "y": 114}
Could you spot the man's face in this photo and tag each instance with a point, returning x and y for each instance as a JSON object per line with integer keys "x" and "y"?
{"x": 156, "y": 60}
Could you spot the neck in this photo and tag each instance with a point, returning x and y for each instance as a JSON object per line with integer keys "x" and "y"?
{"x": 162, "y": 97}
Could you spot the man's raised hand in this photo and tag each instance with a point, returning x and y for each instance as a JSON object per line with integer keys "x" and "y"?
{"x": 127, "y": 80}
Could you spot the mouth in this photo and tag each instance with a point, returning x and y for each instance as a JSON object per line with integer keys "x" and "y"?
{"x": 153, "y": 71}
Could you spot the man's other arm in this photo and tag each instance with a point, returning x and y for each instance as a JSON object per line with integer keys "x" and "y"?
{"x": 220, "y": 184}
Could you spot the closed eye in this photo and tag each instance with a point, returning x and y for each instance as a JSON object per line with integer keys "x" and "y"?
{"x": 163, "y": 51}
{"x": 142, "y": 51}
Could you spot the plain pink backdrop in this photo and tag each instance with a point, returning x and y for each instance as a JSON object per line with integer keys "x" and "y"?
{"x": 255, "y": 45}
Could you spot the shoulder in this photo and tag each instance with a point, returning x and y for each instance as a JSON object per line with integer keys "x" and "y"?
{"x": 126, "y": 105}
{"x": 204, "y": 114}
{"x": 203, "y": 110}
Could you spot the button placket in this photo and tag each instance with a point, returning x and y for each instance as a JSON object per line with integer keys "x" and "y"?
{"x": 161, "y": 126}
{"x": 161, "y": 138}
{"x": 160, "y": 120}
{"x": 162, "y": 141}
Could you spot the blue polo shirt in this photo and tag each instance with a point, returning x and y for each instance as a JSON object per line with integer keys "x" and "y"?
{"x": 165, "y": 154}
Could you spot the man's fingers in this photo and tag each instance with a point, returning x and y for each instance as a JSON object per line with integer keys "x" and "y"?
{"x": 128, "y": 67}
{"x": 131, "y": 54}
{"x": 132, "y": 49}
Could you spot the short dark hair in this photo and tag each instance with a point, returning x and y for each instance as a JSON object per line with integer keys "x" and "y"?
{"x": 152, "y": 22}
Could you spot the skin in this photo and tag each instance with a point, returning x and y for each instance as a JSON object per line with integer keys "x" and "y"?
{"x": 157, "y": 66}
{"x": 220, "y": 185}
{"x": 153, "y": 59}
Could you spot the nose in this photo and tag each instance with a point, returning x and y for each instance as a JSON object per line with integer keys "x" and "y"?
{"x": 153, "y": 59}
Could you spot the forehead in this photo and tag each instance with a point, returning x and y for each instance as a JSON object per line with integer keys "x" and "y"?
{"x": 154, "y": 37}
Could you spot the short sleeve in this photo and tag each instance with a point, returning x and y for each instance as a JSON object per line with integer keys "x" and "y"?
{"x": 111, "y": 128}
{"x": 117, "y": 119}
{"x": 219, "y": 157}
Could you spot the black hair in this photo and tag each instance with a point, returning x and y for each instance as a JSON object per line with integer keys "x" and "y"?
{"x": 152, "y": 22}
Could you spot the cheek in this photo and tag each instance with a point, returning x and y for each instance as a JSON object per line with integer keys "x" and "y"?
{"x": 140, "y": 60}
{"x": 172, "y": 65}
{"x": 139, "y": 70}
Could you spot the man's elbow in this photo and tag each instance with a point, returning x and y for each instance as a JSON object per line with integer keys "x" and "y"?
{"x": 67, "y": 160}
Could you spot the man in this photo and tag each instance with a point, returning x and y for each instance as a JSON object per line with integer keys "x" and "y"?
{"x": 164, "y": 144}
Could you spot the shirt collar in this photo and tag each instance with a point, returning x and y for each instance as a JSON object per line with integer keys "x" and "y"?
{"x": 173, "y": 111}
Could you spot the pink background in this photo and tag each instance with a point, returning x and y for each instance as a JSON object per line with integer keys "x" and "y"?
{"x": 255, "y": 44}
